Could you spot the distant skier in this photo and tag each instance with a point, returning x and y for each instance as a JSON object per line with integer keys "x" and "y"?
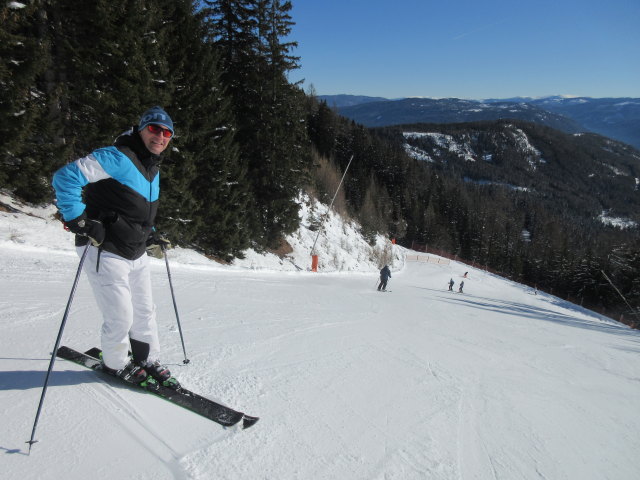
{"x": 451, "y": 284}
{"x": 465, "y": 275}
{"x": 385, "y": 275}
{"x": 461, "y": 285}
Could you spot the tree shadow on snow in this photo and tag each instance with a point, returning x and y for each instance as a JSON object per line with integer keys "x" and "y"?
{"x": 539, "y": 313}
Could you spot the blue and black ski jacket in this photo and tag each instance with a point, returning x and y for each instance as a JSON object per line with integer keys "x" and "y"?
{"x": 118, "y": 185}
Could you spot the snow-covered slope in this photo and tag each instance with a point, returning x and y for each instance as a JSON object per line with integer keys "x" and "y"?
{"x": 419, "y": 383}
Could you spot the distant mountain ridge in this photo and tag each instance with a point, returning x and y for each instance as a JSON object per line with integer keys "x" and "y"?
{"x": 617, "y": 118}
{"x": 341, "y": 101}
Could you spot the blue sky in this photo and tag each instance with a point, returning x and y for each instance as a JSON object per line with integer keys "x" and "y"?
{"x": 468, "y": 48}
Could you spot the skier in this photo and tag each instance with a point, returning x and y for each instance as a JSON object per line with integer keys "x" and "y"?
{"x": 385, "y": 275}
{"x": 110, "y": 198}
{"x": 461, "y": 285}
{"x": 451, "y": 284}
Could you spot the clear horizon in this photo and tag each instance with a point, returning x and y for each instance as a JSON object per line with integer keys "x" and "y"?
{"x": 469, "y": 50}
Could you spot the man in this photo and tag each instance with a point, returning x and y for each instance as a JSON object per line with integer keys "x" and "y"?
{"x": 385, "y": 275}
{"x": 110, "y": 198}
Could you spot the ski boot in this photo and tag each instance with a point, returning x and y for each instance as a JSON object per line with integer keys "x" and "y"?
{"x": 131, "y": 373}
{"x": 160, "y": 373}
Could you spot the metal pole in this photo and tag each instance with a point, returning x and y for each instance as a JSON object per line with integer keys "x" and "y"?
{"x": 633, "y": 310}
{"x": 313, "y": 249}
{"x": 55, "y": 348}
{"x": 175, "y": 306}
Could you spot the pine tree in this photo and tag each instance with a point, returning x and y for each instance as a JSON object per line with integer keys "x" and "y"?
{"x": 268, "y": 110}
{"x": 278, "y": 160}
{"x": 375, "y": 214}
{"x": 28, "y": 149}
{"x": 231, "y": 26}
{"x": 113, "y": 78}
{"x": 322, "y": 128}
{"x": 206, "y": 195}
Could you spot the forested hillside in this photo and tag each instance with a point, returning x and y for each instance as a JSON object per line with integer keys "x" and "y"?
{"x": 73, "y": 75}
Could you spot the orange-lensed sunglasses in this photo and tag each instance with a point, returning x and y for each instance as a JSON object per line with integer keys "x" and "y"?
{"x": 156, "y": 129}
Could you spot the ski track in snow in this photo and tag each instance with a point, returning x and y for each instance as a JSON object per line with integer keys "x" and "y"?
{"x": 492, "y": 384}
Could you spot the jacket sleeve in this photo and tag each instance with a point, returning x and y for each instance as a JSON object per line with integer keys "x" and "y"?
{"x": 69, "y": 181}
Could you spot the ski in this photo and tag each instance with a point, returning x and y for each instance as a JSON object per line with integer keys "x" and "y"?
{"x": 221, "y": 414}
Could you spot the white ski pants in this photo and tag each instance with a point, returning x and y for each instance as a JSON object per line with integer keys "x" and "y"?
{"x": 122, "y": 289}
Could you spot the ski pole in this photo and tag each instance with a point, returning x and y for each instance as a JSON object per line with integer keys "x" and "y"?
{"x": 175, "y": 306}
{"x": 55, "y": 348}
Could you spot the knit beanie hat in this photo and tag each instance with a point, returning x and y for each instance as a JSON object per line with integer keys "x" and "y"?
{"x": 157, "y": 116}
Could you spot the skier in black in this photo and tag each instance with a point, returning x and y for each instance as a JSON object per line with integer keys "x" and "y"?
{"x": 451, "y": 283}
{"x": 385, "y": 275}
{"x": 461, "y": 285}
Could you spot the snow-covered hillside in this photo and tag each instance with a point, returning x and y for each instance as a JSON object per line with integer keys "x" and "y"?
{"x": 419, "y": 383}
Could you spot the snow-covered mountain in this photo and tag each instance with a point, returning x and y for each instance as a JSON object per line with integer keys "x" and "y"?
{"x": 617, "y": 118}
{"x": 526, "y": 157}
{"x": 452, "y": 110}
{"x": 350, "y": 383}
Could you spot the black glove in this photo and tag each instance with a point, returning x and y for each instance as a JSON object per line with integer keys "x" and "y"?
{"x": 87, "y": 227}
{"x": 157, "y": 244}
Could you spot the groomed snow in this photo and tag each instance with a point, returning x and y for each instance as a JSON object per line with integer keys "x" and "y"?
{"x": 419, "y": 383}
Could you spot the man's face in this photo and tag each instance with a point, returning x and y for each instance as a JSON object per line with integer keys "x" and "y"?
{"x": 153, "y": 137}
